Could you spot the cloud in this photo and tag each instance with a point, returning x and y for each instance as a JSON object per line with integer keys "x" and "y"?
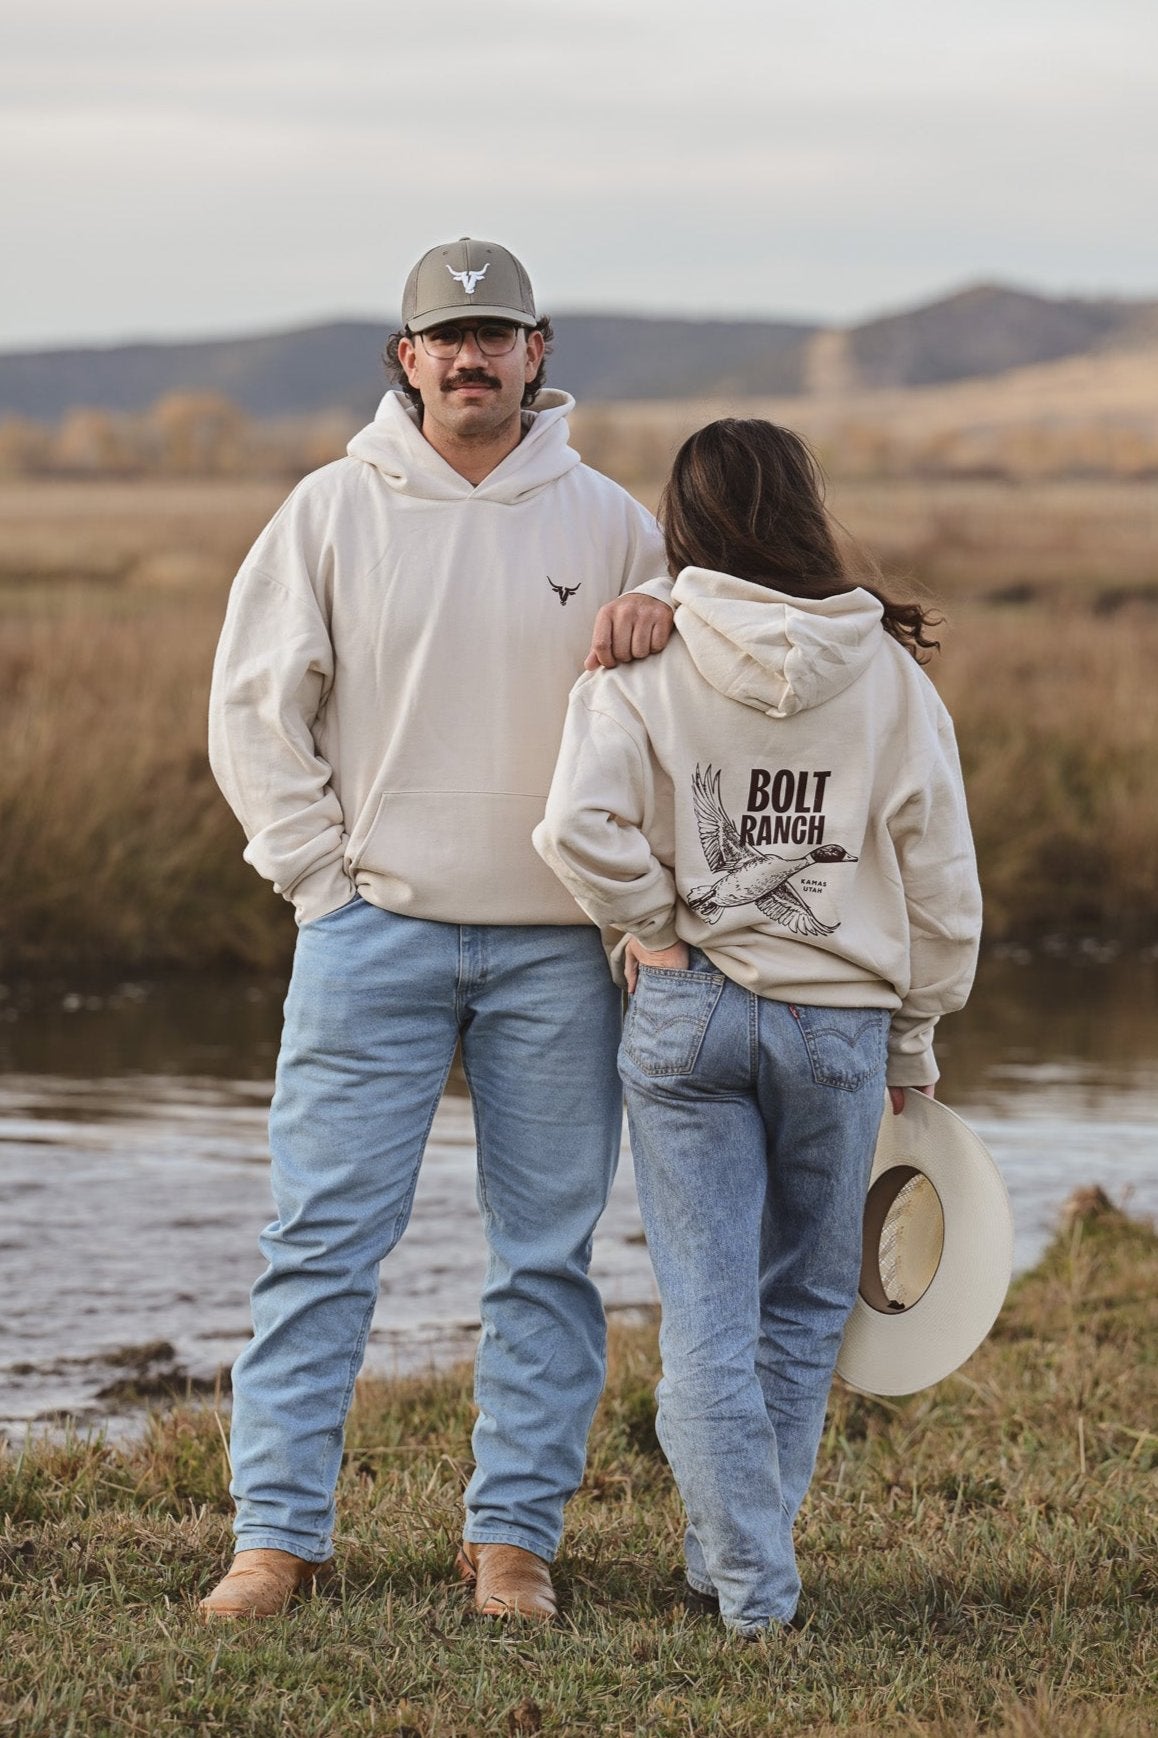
{"x": 236, "y": 164}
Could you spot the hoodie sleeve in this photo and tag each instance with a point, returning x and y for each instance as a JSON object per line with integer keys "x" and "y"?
{"x": 646, "y": 567}
{"x": 934, "y": 849}
{"x": 592, "y": 834}
{"x": 273, "y": 670}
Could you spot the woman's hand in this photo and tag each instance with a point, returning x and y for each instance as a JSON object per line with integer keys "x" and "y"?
{"x": 668, "y": 959}
{"x": 897, "y": 1095}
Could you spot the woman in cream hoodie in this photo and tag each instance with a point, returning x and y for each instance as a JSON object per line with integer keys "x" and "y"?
{"x": 772, "y": 815}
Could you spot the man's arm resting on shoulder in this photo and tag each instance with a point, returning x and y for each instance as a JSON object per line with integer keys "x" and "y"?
{"x": 639, "y": 621}
{"x": 632, "y": 626}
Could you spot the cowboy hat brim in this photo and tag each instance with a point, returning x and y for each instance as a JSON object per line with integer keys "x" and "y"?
{"x": 960, "y": 1234}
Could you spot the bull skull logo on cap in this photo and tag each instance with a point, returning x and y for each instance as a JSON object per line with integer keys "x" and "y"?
{"x": 469, "y": 280}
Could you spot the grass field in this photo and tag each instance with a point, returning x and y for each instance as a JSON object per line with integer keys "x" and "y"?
{"x": 121, "y": 855}
{"x": 976, "y": 1559}
{"x": 1074, "y": 537}
{"x": 1083, "y": 417}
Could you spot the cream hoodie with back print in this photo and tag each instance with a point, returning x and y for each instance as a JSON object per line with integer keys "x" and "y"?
{"x": 781, "y": 789}
{"x": 393, "y": 673}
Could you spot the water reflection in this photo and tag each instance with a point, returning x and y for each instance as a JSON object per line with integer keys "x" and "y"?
{"x": 1089, "y": 1008}
{"x": 133, "y": 1175}
{"x": 219, "y": 1027}
{"x": 1092, "y": 1018}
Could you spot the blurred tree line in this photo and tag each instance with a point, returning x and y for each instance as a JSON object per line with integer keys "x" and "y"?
{"x": 204, "y": 434}
{"x": 184, "y": 434}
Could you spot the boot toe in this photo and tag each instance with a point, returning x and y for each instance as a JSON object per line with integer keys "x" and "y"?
{"x": 508, "y": 1581}
{"x": 261, "y": 1583}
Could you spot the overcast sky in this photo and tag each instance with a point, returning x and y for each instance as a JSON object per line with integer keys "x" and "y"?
{"x": 178, "y": 168}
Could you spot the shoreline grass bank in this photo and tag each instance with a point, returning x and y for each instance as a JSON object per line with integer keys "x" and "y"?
{"x": 978, "y": 1558}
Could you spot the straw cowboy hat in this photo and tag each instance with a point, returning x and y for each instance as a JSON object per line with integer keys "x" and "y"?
{"x": 938, "y": 1253}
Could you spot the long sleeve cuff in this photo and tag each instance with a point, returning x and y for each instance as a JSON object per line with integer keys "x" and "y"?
{"x": 659, "y": 588}
{"x": 321, "y": 891}
{"x": 911, "y": 1061}
{"x": 664, "y": 934}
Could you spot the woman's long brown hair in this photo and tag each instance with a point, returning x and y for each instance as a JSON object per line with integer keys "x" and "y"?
{"x": 747, "y": 497}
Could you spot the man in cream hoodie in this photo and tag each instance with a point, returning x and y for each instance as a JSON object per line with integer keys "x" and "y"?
{"x": 387, "y": 704}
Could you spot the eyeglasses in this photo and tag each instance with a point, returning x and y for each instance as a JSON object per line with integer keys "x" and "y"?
{"x": 492, "y": 337}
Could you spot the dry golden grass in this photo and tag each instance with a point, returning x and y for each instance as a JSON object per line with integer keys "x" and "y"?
{"x": 1057, "y": 718}
{"x": 967, "y": 537}
{"x": 119, "y": 851}
{"x": 1094, "y": 541}
{"x": 1095, "y": 411}
{"x": 129, "y": 532}
{"x": 1094, "y": 415}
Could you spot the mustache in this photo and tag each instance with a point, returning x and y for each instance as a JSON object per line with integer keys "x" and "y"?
{"x": 470, "y": 377}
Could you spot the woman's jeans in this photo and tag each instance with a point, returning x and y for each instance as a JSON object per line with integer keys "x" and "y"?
{"x": 376, "y": 1006}
{"x": 753, "y": 1125}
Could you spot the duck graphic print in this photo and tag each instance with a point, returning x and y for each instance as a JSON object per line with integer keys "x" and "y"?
{"x": 785, "y": 807}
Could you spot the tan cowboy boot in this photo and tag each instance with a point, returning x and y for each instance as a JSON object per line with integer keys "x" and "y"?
{"x": 262, "y": 1584}
{"x": 508, "y": 1581}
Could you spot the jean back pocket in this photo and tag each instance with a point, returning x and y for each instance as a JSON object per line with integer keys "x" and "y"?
{"x": 846, "y": 1046}
{"x": 667, "y": 1018}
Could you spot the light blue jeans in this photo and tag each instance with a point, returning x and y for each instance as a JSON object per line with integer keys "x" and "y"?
{"x": 376, "y": 1005}
{"x": 752, "y": 1125}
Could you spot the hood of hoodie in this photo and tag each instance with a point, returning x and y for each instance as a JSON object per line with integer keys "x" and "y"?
{"x": 395, "y": 445}
{"x": 777, "y": 653}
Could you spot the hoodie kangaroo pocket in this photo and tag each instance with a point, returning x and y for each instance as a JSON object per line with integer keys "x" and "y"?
{"x": 460, "y": 857}
{"x": 846, "y": 1046}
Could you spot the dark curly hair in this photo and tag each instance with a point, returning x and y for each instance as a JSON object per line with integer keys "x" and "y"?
{"x": 397, "y": 373}
{"x": 747, "y": 497}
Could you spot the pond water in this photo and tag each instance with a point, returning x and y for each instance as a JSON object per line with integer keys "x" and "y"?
{"x": 133, "y": 1169}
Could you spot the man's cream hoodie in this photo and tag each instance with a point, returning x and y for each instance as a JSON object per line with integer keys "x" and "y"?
{"x": 781, "y": 789}
{"x": 393, "y": 673}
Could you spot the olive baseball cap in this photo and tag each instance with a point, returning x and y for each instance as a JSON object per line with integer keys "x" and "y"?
{"x": 465, "y": 276}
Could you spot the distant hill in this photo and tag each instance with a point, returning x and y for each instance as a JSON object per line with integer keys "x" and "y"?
{"x": 275, "y": 374}
{"x": 618, "y": 356}
{"x": 984, "y": 330}
{"x": 339, "y": 366}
